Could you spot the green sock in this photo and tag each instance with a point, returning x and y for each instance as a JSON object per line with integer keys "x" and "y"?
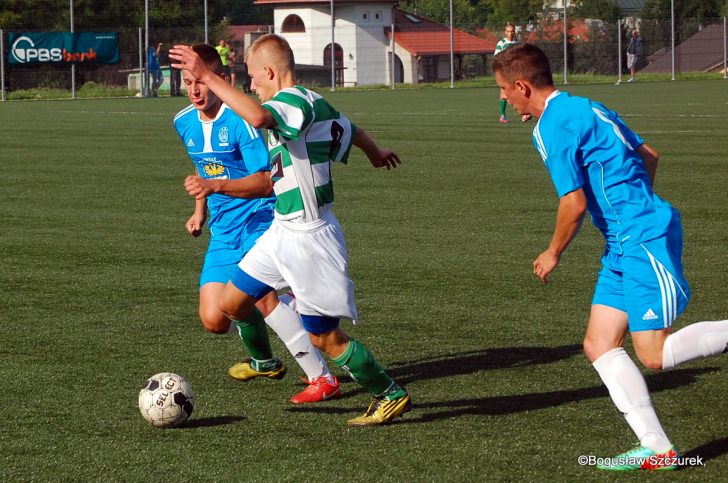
{"x": 359, "y": 363}
{"x": 255, "y": 336}
{"x": 503, "y": 103}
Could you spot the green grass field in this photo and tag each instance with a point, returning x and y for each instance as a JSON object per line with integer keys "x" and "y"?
{"x": 99, "y": 291}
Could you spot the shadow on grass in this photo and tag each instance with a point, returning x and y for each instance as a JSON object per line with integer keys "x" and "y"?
{"x": 480, "y": 360}
{"x": 207, "y": 422}
{"x": 499, "y": 405}
{"x": 469, "y": 363}
{"x": 490, "y": 359}
{"x": 708, "y": 451}
{"x": 458, "y": 364}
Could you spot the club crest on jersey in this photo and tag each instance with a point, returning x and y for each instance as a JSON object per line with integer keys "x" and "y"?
{"x": 222, "y": 136}
{"x": 214, "y": 169}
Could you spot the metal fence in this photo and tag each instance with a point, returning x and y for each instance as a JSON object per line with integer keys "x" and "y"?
{"x": 358, "y": 47}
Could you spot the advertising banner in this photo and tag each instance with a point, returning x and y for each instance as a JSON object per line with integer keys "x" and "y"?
{"x": 63, "y": 47}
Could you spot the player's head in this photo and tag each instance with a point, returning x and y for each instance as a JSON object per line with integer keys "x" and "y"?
{"x": 519, "y": 70}
{"x": 635, "y": 33}
{"x": 199, "y": 94}
{"x": 222, "y": 43}
{"x": 269, "y": 59}
{"x": 510, "y": 31}
{"x": 523, "y": 61}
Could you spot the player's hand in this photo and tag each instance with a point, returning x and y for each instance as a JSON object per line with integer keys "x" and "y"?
{"x": 386, "y": 158}
{"x": 198, "y": 187}
{"x": 194, "y": 225}
{"x": 187, "y": 59}
{"x": 544, "y": 265}
{"x": 526, "y": 117}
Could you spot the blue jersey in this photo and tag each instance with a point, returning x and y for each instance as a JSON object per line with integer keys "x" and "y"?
{"x": 152, "y": 59}
{"x": 585, "y": 145}
{"x": 226, "y": 148}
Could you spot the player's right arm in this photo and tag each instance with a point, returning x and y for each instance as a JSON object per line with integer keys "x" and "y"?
{"x": 245, "y": 106}
{"x": 197, "y": 220}
{"x": 572, "y": 207}
{"x": 256, "y": 185}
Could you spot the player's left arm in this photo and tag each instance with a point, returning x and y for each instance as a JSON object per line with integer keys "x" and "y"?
{"x": 572, "y": 207}
{"x": 650, "y": 158}
{"x": 197, "y": 220}
{"x": 379, "y": 157}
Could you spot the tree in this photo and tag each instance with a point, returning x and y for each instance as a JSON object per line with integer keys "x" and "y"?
{"x": 606, "y": 10}
{"x": 690, "y": 16}
{"x": 518, "y": 12}
{"x": 465, "y": 15}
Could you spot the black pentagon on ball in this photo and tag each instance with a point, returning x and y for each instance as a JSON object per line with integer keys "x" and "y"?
{"x": 151, "y": 384}
{"x": 182, "y": 401}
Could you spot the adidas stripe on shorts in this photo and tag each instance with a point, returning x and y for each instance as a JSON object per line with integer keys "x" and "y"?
{"x": 646, "y": 281}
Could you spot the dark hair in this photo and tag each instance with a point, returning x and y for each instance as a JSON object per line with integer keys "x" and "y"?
{"x": 209, "y": 56}
{"x": 524, "y": 61}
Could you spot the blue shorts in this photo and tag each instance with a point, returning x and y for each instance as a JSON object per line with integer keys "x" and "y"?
{"x": 223, "y": 255}
{"x": 314, "y": 324}
{"x": 248, "y": 284}
{"x": 319, "y": 324}
{"x": 646, "y": 281}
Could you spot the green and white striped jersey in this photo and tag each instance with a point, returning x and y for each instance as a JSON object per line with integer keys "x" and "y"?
{"x": 309, "y": 136}
{"x": 503, "y": 44}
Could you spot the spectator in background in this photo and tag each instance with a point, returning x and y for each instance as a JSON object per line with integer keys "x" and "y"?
{"x": 232, "y": 64}
{"x": 634, "y": 51}
{"x": 175, "y": 81}
{"x": 223, "y": 49}
{"x": 155, "y": 70}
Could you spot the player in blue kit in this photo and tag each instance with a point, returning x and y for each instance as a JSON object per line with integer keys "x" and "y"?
{"x": 234, "y": 185}
{"x": 597, "y": 164}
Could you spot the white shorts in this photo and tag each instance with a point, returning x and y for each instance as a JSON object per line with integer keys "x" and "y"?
{"x": 631, "y": 60}
{"x": 312, "y": 260}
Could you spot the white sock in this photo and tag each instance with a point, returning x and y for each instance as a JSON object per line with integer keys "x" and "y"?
{"x": 628, "y": 390}
{"x": 702, "y": 339}
{"x": 286, "y": 323}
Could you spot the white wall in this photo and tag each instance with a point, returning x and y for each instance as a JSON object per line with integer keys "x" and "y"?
{"x": 359, "y": 31}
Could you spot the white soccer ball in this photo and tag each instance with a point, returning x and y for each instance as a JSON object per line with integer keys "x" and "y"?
{"x": 166, "y": 400}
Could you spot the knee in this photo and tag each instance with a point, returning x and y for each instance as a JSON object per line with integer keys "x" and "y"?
{"x": 596, "y": 345}
{"x": 232, "y": 310}
{"x": 594, "y": 348}
{"x": 319, "y": 341}
{"x": 333, "y": 343}
{"x": 214, "y": 321}
{"x": 651, "y": 361}
{"x": 649, "y": 348}
{"x": 267, "y": 304}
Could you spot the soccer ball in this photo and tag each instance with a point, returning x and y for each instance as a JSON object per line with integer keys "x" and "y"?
{"x": 166, "y": 400}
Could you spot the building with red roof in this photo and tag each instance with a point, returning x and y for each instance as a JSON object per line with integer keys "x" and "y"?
{"x": 363, "y": 46}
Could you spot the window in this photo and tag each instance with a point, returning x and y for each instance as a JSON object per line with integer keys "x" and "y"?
{"x": 293, "y": 23}
{"x": 365, "y": 16}
{"x": 377, "y": 16}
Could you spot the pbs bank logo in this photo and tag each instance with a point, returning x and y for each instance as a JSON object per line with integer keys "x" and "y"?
{"x": 24, "y": 51}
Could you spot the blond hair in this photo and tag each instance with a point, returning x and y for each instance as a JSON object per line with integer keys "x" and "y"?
{"x": 275, "y": 50}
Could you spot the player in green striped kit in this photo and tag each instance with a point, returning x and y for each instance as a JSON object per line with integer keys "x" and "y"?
{"x": 304, "y": 249}
{"x": 503, "y": 44}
